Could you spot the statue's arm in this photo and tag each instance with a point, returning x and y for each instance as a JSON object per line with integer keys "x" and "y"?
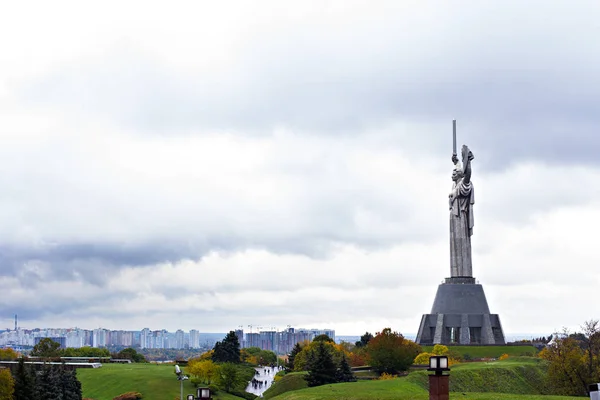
{"x": 467, "y": 157}
{"x": 467, "y": 172}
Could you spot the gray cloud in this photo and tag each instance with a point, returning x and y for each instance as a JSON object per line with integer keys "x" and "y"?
{"x": 303, "y": 136}
{"x": 516, "y": 94}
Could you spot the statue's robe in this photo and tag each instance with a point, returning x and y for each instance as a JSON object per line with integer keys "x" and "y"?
{"x": 461, "y": 228}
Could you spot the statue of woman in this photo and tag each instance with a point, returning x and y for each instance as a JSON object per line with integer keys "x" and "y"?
{"x": 461, "y": 216}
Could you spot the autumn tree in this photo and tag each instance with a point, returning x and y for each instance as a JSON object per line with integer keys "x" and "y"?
{"x": 8, "y": 354}
{"x": 574, "y": 360}
{"x": 227, "y": 350}
{"x": 390, "y": 352}
{"x": 205, "y": 370}
{"x": 7, "y": 384}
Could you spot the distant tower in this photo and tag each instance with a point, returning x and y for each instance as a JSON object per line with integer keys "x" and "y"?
{"x": 15, "y": 322}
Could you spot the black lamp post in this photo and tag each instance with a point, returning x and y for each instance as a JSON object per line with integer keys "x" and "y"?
{"x": 203, "y": 394}
{"x": 439, "y": 386}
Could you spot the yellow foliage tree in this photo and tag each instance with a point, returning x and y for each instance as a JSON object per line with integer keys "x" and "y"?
{"x": 7, "y": 384}
{"x": 205, "y": 370}
{"x": 423, "y": 358}
{"x": 440, "y": 350}
{"x": 8, "y": 354}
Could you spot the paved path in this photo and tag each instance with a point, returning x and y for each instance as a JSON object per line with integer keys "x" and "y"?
{"x": 265, "y": 375}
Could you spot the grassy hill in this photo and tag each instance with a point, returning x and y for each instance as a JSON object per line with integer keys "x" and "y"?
{"x": 521, "y": 375}
{"x": 517, "y": 378}
{"x": 395, "y": 389}
{"x": 287, "y": 383}
{"x": 155, "y": 382}
{"x": 490, "y": 351}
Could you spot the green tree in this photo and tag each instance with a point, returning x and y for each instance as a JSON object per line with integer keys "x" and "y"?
{"x": 46, "y": 348}
{"x": 229, "y": 377}
{"x": 227, "y": 350}
{"x": 344, "y": 372}
{"x": 130, "y": 353}
{"x": 70, "y": 385}
{"x": 47, "y": 384}
{"x": 24, "y": 382}
{"x": 85, "y": 351}
{"x": 390, "y": 352}
{"x": 292, "y": 356}
{"x": 323, "y": 338}
{"x": 7, "y": 384}
{"x": 364, "y": 340}
{"x": 321, "y": 368}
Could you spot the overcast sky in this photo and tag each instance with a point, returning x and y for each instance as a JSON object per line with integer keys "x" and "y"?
{"x": 206, "y": 165}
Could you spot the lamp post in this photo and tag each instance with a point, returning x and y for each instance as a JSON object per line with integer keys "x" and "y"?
{"x": 203, "y": 394}
{"x": 180, "y": 377}
{"x": 439, "y": 386}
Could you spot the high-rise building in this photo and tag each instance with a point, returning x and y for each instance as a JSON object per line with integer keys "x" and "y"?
{"x": 194, "y": 339}
{"x": 179, "y": 337}
{"x": 145, "y": 339}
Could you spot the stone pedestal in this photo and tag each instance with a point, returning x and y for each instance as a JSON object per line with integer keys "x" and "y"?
{"x": 439, "y": 387}
{"x": 460, "y": 315}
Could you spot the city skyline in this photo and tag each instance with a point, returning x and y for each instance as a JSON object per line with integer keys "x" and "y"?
{"x": 280, "y": 342}
{"x": 219, "y": 164}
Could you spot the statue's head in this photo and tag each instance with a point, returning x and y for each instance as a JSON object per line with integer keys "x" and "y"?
{"x": 457, "y": 172}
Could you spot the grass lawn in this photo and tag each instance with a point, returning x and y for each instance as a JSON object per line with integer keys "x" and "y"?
{"x": 287, "y": 383}
{"x": 519, "y": 378}
{"x": 155, "y": 382}
{"x": 490, "y": 351}
{"x": 394, "y": 389}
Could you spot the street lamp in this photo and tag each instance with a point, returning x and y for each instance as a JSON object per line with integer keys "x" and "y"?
{"x": 439, "y": 385}
{"x": 180, "y": 377}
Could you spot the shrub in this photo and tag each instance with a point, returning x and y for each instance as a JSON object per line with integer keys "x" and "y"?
{"x": 503, "y": 357}
{"x": 129, "y": 396}
{"x": 385, "y": 376}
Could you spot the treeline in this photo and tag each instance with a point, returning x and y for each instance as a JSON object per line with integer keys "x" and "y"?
{"x": 387, "y": 352}
{"x": 170, "y": 354}
{"x": 226, "y": 367}
{"x": 51, "y": 383}
{"x": 50, "y": 350}
{"x": 574, "y": 360}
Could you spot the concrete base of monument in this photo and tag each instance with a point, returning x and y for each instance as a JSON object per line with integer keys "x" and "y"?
{"x": 460, "y": 315}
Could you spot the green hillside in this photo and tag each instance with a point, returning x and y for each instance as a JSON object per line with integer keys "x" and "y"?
{"x": 288, "y": 383}
{"x": 154, "y": 381}
{"x": 518, "y": 378}
{"x": 395, "y": 389}
{"x": 522, "y": 375}
{"x": 473, "y": 352}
